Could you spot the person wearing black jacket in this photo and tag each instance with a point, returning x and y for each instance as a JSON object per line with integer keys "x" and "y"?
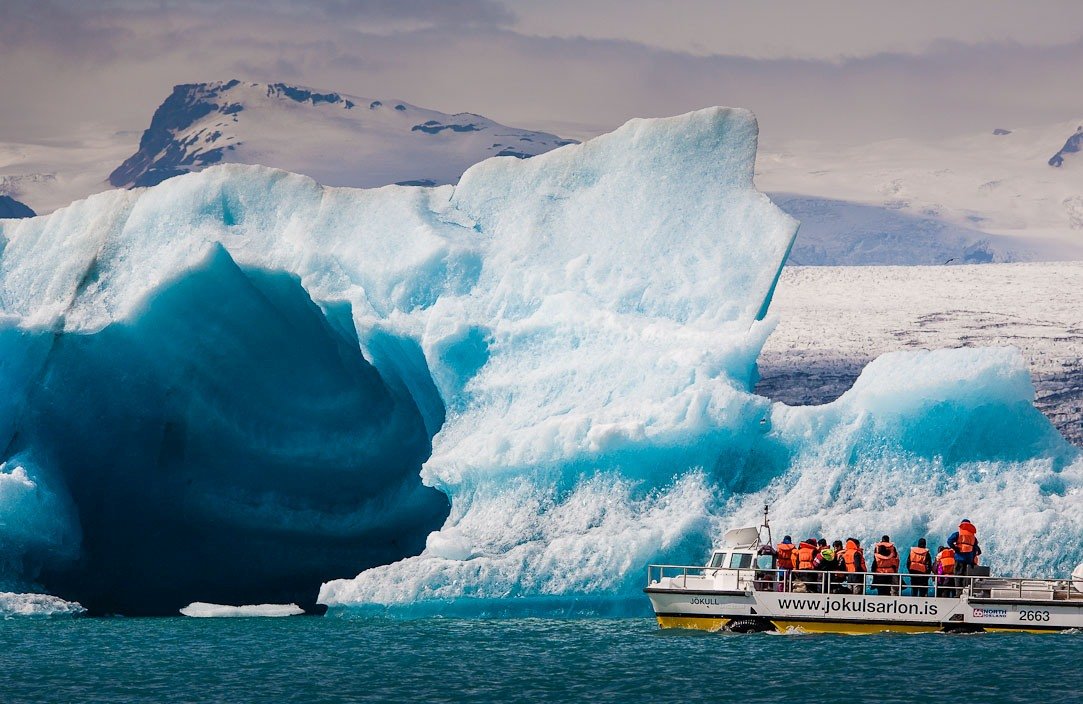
{"x": 828, "y": 560}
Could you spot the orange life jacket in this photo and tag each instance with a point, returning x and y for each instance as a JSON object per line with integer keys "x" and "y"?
{"x": 886, "y": 564}
{"x": 917, "y": 559}
{"x": 853, "y": 558}
{"x": 805, "y": 555}
{"x": 946, "y": 558}
{"x": 785, "y": 555}
{"x": 968, "y": 538}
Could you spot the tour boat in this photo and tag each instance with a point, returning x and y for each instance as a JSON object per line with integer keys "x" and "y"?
{"x": 740, "y": 589}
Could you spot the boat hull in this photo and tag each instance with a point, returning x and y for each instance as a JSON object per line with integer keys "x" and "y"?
{"x": 855, "y": 613}
{"x": 715, "y": 624}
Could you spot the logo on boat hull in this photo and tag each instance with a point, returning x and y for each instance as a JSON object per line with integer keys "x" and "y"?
{"x": 701, "y": 601}
{"x": 990, "y": 613}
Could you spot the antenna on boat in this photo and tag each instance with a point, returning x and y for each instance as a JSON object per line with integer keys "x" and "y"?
{"x": 767, "y": 525}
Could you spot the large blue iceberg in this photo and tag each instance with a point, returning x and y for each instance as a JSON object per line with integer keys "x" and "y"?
{"x": 504, "y": 396}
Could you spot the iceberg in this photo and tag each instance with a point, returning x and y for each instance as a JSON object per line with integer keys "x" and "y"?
{"x": 503, "y": 396}
{"x": 920, "y": 441}
{"x": 200, "y": 609}
{"x": 16, "y": 605}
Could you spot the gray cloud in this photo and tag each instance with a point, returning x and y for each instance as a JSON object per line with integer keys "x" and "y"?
{"x": 66, "y": 65}
{"x": 825, "y": 29}
{"x": 454, "y": 12}
{"x": 60, "y": 28}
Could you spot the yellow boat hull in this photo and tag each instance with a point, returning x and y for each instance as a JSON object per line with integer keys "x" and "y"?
{"x": 719, "y": 624}
{"x": 715, "y": 625}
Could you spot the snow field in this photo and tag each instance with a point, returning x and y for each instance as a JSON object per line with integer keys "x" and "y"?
{"x": 835, "y": 320}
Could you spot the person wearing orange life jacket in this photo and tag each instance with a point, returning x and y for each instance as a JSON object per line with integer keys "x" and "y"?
{"x": 806, "y": 554}
{"x": 885, "y": 562}
{"x": 965, "y": 544}
{"x": 786, "y": 556}
{"x": 785, "y": 552}
{"x": 853, "y": 561}
{"x": 944, "y": 567}
{"x": 920, "y": 565}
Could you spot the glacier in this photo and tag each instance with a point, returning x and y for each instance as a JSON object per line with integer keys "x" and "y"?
{"x": 503, "y": 396}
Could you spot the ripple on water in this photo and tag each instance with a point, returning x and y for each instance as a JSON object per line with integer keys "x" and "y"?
{"x": 309, "y": 659}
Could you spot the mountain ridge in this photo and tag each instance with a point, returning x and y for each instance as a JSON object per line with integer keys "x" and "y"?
{"x": 336, "y": 138}
{"x": 1071, "y": 146}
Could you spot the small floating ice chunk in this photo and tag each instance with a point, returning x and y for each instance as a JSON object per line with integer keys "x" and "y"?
{"x": 14, "y": 604}
{"x": 199, "y": 609}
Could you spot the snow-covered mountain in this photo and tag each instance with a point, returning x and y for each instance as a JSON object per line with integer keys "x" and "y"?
{"x": 986, "y": 197}
{"x": 338, "y": 139}
{"x": 1073, "y": 145}
{"x": 835, "y": 232}
{"x": 11, "y": 208}
{"x": 990, "y": 197}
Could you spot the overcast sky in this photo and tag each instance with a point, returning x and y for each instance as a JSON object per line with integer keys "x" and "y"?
{"x": 832, "y": 71}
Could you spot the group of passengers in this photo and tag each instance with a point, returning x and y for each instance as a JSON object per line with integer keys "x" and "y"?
{"x": 804, "y": 565}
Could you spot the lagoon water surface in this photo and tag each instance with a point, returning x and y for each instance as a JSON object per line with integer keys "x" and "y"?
{"x": 312, "y": 659}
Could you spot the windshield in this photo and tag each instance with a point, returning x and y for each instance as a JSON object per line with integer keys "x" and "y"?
{"x": 718, "y": 559}
{"x": 741, "y": 560}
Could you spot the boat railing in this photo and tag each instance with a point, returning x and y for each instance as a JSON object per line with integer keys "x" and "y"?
{"x": 976, "y": 587}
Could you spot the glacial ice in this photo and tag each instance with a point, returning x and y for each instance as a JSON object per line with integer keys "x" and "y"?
{"x": 920, "y": 441}
{"x": 231, "y": 381}
{"x": 35, "y": 520}
{"x": 203, "y": 610}
{"x": 15, "y": 605}
{"x": 225, "y": 422}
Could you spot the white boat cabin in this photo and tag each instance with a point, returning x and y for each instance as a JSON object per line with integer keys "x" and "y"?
{"x": 731, "y": 566}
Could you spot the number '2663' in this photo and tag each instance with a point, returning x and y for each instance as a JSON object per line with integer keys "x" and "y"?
{"x": 1033, "y": 615}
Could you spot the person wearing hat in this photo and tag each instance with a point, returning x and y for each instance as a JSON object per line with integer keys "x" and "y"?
{"x": 965, "y": 544}
{"x": 786, "y": 555}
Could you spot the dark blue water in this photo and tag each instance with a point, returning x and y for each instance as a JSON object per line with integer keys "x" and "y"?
{"x": 308, "y": 659}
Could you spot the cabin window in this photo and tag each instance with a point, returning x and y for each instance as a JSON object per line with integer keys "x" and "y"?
{"x": 718, "y": 559}
{"x": 740, "y": 561}
{"x": 765, "y": 562}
